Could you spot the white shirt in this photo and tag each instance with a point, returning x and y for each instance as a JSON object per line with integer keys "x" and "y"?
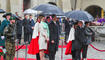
{"x": 71, "y": 34}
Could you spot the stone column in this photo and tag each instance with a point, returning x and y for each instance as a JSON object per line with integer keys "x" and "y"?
{"x": 17, "y": 6}
{"x": 8, "y": 3}
{"x": 3, "y": 5}
{"x": 79, "y": 4}
{"x": 66, "y": 5}
{"x": 60, "y": 4}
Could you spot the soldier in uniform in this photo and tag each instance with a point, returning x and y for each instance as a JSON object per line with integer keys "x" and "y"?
{"x": 10, "y": 36}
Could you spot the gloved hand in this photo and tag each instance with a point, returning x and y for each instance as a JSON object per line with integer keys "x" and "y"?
{"x": 2, "y": 37}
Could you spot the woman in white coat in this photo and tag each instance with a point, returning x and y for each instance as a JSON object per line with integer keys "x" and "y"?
{"x": 43, "y": 37}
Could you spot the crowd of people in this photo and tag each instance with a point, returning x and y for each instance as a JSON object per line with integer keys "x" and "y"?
{"x": 43, "y": 35}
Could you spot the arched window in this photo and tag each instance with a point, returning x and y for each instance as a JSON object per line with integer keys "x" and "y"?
{"x": 94, "y": 10}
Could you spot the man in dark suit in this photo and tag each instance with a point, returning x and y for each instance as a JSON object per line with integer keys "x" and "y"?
{"x": 31, "y": 23}
{"x": 26, "y": 28}
{"x": 19, "y": 29}
{"x": 54, "y": 38}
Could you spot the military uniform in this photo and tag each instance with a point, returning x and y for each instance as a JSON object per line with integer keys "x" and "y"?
{"x": 10, "y": 35}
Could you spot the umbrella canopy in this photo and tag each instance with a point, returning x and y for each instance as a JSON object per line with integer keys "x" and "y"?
{"x": 67, "y": 13}
{"x": 30, "y": 11}
{"x": 2, "y": 11}
{"x": 80, "y": 15}
{"x": 49, "y": 9}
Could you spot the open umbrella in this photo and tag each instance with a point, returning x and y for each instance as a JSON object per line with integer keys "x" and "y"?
{"x": 2, "y": 11}
{"x": 49, "y": 9}
{"x": 80, "y": 15}
{"x": 67, "y": 13}
{"x": 30, "y": 11}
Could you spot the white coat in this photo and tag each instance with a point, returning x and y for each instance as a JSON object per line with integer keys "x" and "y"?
{"x": 43, "y": 36}
{"x": 71, "y": 34}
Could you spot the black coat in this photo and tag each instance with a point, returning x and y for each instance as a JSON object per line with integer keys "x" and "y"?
{"x": 54, "y": 35}
{"x": 77, "y": 44}
{"x": 67, "y": 27}
{"x": 19, "y": 26}
{"x": 31, "y": 23}
{"x": 26, "y": 26}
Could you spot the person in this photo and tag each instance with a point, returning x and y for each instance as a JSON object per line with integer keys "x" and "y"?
{"x": 31, "y": 23}
{"x": 88, "y": 34}
{"x": 54, "y": 38}
{"x": 77, "y": 44}
{"x": 4, "y": 23}
{"x": 67, "y": 29}
{"x": 10, "y": 35}
{"x": 43, "y": 37}
{"x": 72, "y": 37}
{"x": 48, "y": 20}
{"x": 19, "y": 29}
{"x": 34, "y": 44}
{"x": 26, "y": 28}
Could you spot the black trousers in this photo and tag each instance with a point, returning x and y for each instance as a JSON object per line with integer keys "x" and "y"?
{"x": 78, "y": 54}
{"x": 26, "y": 37}
{"x": 73, "y": 55}
{"x": 37, "y": 56}
{"x": 84, "y": 53}
{"x": 30, "y": 37}
{"x": 52, "y": 55}
{"x": 19, "y": 37}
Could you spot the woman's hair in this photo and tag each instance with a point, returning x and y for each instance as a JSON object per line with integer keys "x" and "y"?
{"x": 87, "y": 22}
{"x": 40, "y": 16}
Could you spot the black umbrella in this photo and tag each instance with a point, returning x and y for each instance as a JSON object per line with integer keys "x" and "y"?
{"x": 49, "y": 9}
{"x": 2, "y": 11}
{"x": 80, "y": 15}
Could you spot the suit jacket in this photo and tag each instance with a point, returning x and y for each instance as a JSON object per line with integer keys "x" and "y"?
{"x": 26, "y": 26}
{"x": 54, "y": 35}
{"x": 19, "y": 26}
{"x": 31, "y": 23}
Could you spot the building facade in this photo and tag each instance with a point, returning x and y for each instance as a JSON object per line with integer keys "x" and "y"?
{"x": 94, "y": 7}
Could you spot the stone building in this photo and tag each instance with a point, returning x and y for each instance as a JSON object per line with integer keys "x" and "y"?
{"x": 94, "y": 7}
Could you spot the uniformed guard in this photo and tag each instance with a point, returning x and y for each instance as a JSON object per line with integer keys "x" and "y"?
{"x": 10, "y": 36}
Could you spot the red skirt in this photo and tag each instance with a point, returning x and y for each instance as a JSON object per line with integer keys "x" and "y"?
{"x": 34, "y": 46}
{"x": 68, "y": 48}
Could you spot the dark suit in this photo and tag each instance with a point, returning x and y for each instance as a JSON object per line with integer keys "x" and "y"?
{"x": 19, "y": 29}
{"x": 26, "y": 29}
{"x": 54, "y": 35}
{"x": 31, "y": 24}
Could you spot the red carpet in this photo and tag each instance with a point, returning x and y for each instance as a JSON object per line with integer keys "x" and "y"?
{"x": 28, "y": 46}
{"x": 35, "y": 59}
{"x": 88, "y": 59}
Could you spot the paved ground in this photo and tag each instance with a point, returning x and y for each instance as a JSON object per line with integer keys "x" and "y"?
{"x": 92, "y": 54}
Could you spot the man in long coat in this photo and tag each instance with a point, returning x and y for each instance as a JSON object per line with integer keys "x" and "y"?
{"x": 26, "y": 28}
{"x": 54, "y": 38}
